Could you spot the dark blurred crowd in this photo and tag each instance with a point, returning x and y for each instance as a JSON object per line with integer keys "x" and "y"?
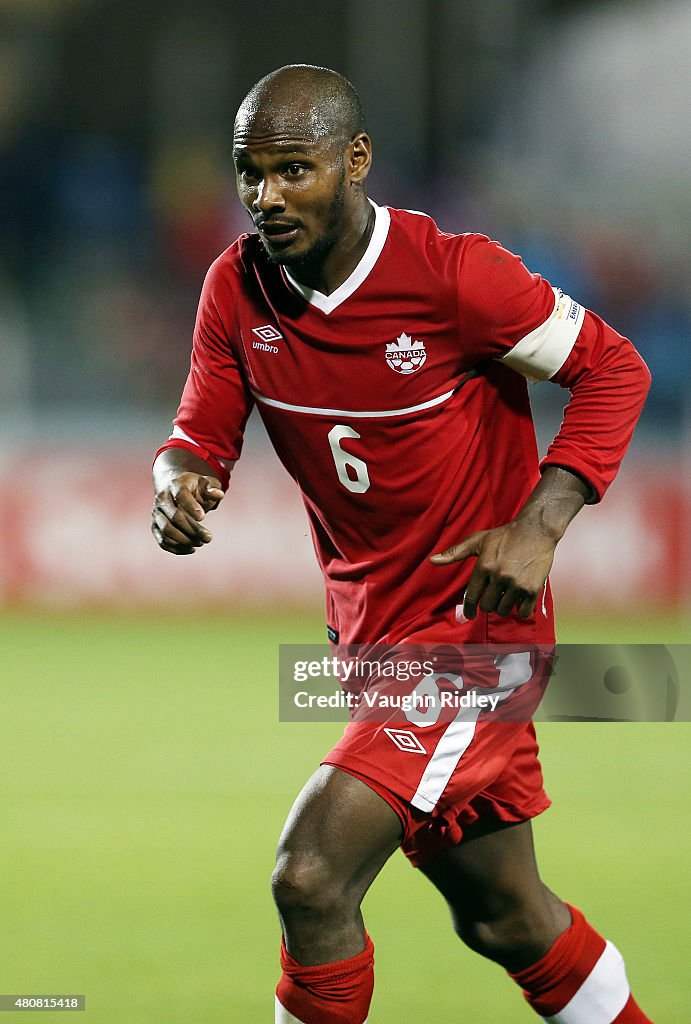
{"x": 102, "y": 260}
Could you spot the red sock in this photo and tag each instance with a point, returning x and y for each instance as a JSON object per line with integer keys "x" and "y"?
{"x": 580, "y": 980}
{"x": 338, "y": 993}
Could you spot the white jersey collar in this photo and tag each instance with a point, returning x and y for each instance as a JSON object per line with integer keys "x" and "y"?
{"x": 327, "y": 303}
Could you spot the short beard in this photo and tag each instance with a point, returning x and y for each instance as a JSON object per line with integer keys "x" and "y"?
{"x": 315, "y": 256}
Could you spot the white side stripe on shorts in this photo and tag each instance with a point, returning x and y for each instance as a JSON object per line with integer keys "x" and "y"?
{"x": 602, "y": 996}
{"x": 515, "y": 670}
{"x": 443, "y": 762}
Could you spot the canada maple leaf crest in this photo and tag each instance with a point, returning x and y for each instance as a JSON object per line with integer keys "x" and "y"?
{"x": 404, "y": 355}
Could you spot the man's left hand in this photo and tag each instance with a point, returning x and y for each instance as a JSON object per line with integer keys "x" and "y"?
{"x": 513, "y": 562}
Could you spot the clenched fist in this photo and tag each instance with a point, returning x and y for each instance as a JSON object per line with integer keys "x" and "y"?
{"x": 180, "y": 505}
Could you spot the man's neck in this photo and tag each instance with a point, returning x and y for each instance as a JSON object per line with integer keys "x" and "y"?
{"x": 344, "y": 257}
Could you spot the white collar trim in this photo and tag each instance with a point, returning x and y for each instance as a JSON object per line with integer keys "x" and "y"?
{"x": 327, "y": 303}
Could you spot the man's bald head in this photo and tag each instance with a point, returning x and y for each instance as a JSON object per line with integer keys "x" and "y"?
{"x": 302, "y": 100}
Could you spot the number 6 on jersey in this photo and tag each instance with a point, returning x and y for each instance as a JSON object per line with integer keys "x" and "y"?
{"x": 359, "y": 483}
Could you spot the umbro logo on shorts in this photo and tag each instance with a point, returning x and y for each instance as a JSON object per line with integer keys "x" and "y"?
{"x": 406, "y": 741}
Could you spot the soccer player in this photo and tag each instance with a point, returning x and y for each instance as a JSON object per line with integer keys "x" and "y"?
{"x": 388, "y": 360}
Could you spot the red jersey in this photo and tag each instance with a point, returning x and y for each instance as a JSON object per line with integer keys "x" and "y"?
{"x": 367, "y": 399}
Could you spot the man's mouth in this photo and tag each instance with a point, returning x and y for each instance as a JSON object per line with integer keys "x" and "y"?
{"x": 277, "y": 232}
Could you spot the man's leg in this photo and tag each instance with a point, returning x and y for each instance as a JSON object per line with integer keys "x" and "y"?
{"x": 502, "y": 910}
{"x": 337, "y": 838}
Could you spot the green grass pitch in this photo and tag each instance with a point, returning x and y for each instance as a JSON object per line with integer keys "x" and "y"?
{"x": 144, "y": 782}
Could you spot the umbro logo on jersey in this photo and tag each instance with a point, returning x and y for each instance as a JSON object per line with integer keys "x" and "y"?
{"x": 405, "y": 355}
{"x": 267, "y": 335}
{"x": 406, "y": 741}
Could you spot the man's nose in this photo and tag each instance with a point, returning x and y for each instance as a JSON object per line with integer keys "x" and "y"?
{"x": 269, "y": 196}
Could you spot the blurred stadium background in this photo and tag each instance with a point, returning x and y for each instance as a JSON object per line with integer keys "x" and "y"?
{"x": 145, "y": 776}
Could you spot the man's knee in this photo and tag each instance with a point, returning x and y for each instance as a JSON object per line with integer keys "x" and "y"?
{"x": 517, "y": 934}
{"x": 304, "y": 884}
{"x": 327, "y": 858}
{"x": 490, "y": 938}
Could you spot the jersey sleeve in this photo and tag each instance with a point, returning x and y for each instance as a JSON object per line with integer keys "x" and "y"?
{"x": 216, "y": 401}
{"x": 609, "y": 382}
{"x": 508, "y": 314}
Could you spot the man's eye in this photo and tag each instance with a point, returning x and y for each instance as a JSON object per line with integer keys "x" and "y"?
{"x": 248, "y": 175}
{"x": 295, "y": 169}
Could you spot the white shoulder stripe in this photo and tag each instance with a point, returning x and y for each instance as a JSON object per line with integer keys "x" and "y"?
{"x": 603, "y": 994}
{"x": 541, "y": 353}
{"x": 313, "y": 410}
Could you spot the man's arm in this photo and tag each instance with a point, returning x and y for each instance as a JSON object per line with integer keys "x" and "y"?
{"x": 192, "y": 469}
{"x": 543, "y": 334}
{"x": 186, "y": 488}
{"x": 513, "y": 561}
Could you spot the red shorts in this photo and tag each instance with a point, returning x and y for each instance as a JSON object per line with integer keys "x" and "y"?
{"x": 442, "y": 779}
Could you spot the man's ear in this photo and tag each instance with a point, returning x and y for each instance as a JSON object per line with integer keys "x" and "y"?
{"x": 359, "y": 158}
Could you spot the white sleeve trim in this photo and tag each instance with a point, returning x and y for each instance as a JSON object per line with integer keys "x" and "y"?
{"x": 180, "y": 434}
{"x": 541, "y": 353}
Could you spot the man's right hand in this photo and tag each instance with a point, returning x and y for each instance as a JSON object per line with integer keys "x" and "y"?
{"x": 179, "y": 508}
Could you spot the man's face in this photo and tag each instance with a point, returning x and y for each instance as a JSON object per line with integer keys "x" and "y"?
{"x": 294, "y": 188}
